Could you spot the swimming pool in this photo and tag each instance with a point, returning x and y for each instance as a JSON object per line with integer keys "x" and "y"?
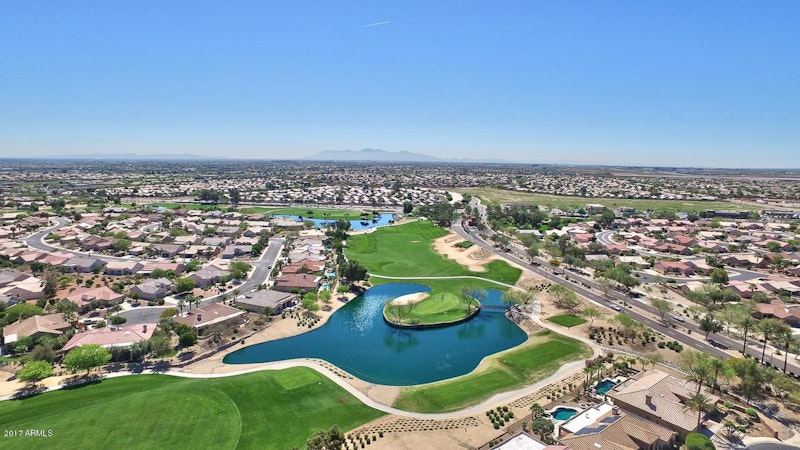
{"x": 563, "y": 413}
{"x": 605, "y": 386}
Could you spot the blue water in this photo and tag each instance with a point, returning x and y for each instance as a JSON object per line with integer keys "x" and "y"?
{"x": 355, "y": 225}
{"x": 561, "y": 413}
{"x": 604, "y": 386}
{"x": 358, "y": 340}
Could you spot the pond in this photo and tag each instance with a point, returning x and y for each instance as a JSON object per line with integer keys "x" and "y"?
{"x": 355, "y": 225}
{"x": 357, "y": 339}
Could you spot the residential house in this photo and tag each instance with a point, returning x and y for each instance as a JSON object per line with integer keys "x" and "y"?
{"x": 789, "y": 313}
{"x": 29, "y": 288}
{"x": 213, "y": 314}
{"x": 661, "y": 399}
{"x": 122, "y": 267}
{"x": 84, "y": 296}
{"x": 615, "y": 430}
{"x": 35, "y": 327}
{"x": 84, "y": 264}
{"x": 257, "y": 301}
{"x": 152, "y": 289}
{"x": 235, "y": 251}
{"x": 8, "y": 276}
{"x": 166, "y": 266}
{"x": 112, "y": 336}
{"x": 167, "y": 250}
{"x": 673, "y": 268}
{"x": 299, "y": 282}
{"x": 524, "y": 441}
{"x": 209, "y": 275}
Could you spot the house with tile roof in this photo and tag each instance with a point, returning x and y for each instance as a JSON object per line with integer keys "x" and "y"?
{"x": 84, "y": 296}
{"x": 213, "y": 314}
{"x": 112, "y": 336}
{"x": 659, "y": 398}
{"x": 35, "y": 327}
{"x": 621, "y": 431}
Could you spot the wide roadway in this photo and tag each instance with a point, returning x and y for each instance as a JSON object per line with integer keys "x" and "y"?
{"x": 639, "y": 310}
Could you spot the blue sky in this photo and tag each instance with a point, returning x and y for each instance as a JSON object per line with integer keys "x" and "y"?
{"x": 713, "y": 83}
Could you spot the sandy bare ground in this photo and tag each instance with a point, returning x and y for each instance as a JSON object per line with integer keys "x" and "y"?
{"x": 410, "y": 298}
{"x": 474, "y": 258}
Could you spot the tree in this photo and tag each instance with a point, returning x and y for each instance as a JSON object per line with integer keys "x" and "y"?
{"x": 653, "y": 359}
{"x": 184, "y": 284}
{"x": 160, "y": 346}
{"x": 35, "y": 371}
{"x": 233, "y": 194}
{"x": 122, "y": 245}
{"x": 592, "y": 312}
{"x": 408, "y": 207}
{"x": 50, "y": 285}
{"x": 43, "y": 352}
{"x": 86, "y": 357}
{"x": 38, "y": 267}
{"x": 746, "y": 324}
{"x": 700, "y": 403}
{"x": 542, "y": 426}
{"x": 709, "y": 324}
{"x": 309, "y": 302}
{"x": 786, "y": 339}
{"x": 325, "y": 296}
{"x": 719, "y": 276}
{"x": 239, "y": 269}
{"x": 718, "y": 367}
{"x": 663, "y": 307}
{"x": 767, "y": 327}
{"x": 352, "y": 271}
{"x": 473, "y": 295}
{"x": 332, "y": 439}
{"x": 187, "y": 338}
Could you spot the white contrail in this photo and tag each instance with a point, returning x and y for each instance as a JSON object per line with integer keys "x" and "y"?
{"x": 374, "y": 24}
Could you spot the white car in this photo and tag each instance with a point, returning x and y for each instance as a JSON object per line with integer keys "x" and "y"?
{"x": 679, "y": 318}
{"x": 616, "y": 307}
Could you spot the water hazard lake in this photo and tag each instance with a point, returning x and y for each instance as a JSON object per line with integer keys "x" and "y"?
{"x": 355, "y": 225}
{"x": 357, "y": 339}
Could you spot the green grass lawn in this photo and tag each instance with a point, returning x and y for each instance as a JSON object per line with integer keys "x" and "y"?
{"x": 439, "y": 307}
{"x": 565, "y": 202}
{"x": 407, "y": 251}
{"x": 567, "y": 320}
{"x": 279, "y": 410}
{"x": 542, "y": 355}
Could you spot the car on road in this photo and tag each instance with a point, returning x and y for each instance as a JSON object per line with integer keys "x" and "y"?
{"x": 679, "y": 318}
{"x": 616, "y": 307}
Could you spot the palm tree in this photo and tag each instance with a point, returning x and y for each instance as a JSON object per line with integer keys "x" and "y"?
{"x": 746, "y": 323}
{"x": 700, "y": 403}
{"x": 717, "y": 366}
{"x": 697, "y": 366}
{"x": 786, "y": 339}
{"x": 767, "y": 327}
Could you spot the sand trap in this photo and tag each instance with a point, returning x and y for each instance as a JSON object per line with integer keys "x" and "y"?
{"x": 472, "y": 258}
{"x": 410, "y": 298}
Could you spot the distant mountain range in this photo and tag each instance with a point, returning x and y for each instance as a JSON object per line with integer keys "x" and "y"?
{"x": 371, "y": 154}
{"x": 377, "y": 155}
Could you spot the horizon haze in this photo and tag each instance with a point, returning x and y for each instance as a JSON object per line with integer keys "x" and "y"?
{"x": 679, "y": 84}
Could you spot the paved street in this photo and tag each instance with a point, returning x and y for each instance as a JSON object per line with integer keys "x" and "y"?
{"x": 262, "y": 268}
{"x": 639, "y": 310}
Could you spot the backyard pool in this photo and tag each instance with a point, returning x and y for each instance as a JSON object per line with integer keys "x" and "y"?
{"x": 357, "y": 339}
{"x": 605, "y": 386}
{"x": 563, "y": 413}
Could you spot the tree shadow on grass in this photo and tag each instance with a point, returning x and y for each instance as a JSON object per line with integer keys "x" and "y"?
{"x": 161, "y": 366}
{"x": 28, "y": 392}
{"x": 81, "y": 381}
